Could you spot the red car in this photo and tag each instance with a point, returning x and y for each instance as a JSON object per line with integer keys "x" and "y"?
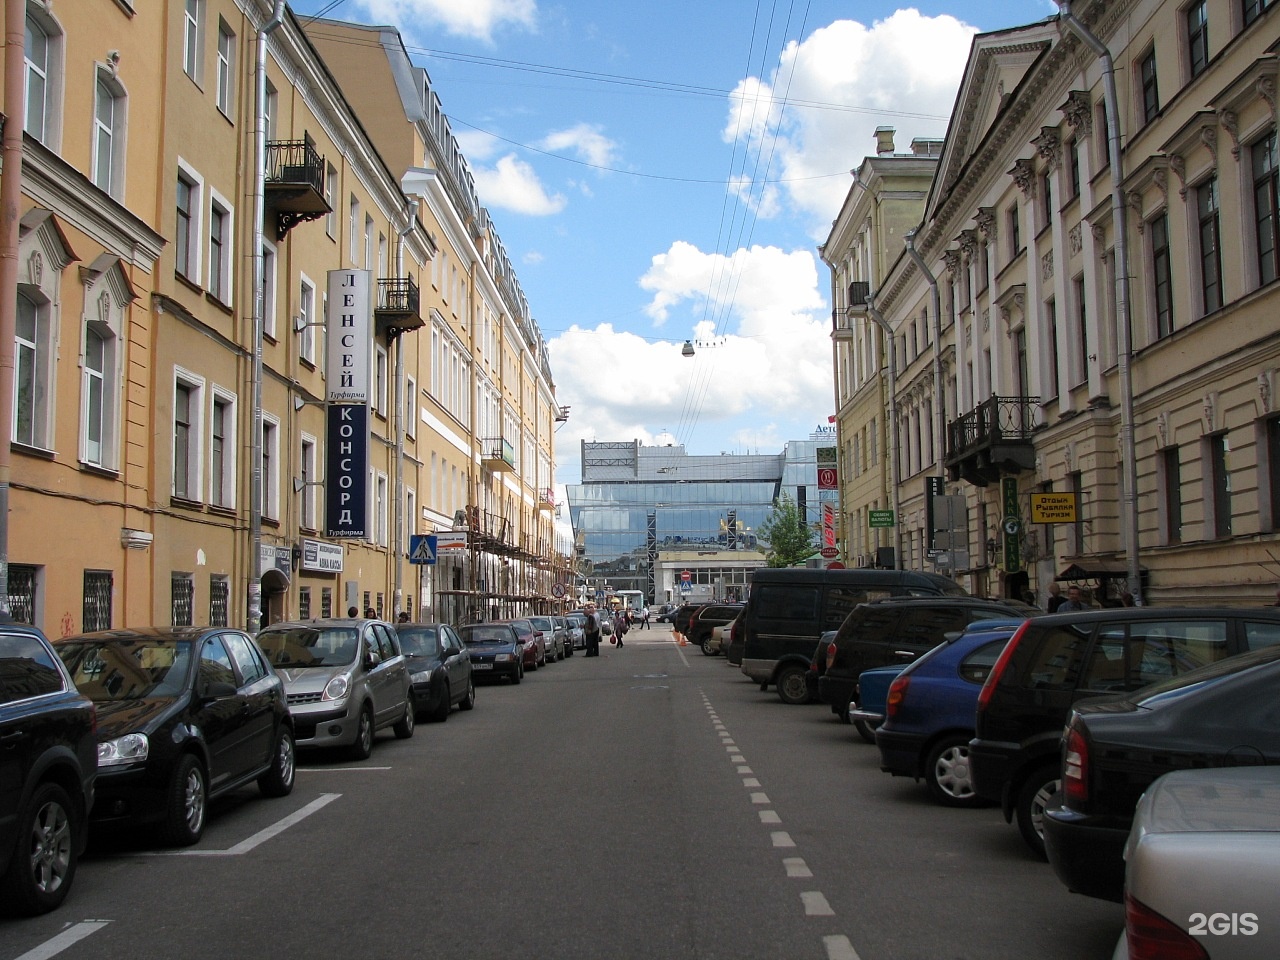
{"x": 532, "y": 642}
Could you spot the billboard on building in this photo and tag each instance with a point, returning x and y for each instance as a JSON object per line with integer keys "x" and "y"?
{"x": 348, "y": 326}
{"x": 347, "y": 470}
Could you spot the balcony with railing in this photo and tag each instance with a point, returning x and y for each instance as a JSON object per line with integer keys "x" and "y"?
{"x": 498, "y": 454}
{"x": 294, "y": 182}
{"x": 398, "y": 309}
{"x": 993, "y": 440}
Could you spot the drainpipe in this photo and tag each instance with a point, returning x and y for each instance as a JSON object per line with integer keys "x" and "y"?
{"x": 893, "y": 430}
{"x": 397, "y": 540}
{"x": 935, "y": 304}
{"x": 1119, "y": 219}
{"x": 259, "y": 212}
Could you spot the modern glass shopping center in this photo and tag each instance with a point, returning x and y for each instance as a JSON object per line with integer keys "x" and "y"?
{"x": 643, "y": 516}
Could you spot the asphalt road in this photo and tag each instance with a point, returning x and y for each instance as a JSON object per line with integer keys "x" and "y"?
{"x": 651, "y": 803}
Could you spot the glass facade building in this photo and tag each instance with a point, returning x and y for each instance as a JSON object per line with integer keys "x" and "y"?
{"x": 640, "y": 508}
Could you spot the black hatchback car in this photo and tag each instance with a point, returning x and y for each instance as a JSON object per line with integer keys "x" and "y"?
{"x": 48, "y": 762}
{"x": 439, "y": 669}
{"x": 185, "y": 714}
{"x": 1223, "y": 715}
{"x": 1053, "y": 661}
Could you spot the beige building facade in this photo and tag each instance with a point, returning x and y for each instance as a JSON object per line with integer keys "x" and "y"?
{"x": 1020, "y": 232}
{"x": 134, "y": 461}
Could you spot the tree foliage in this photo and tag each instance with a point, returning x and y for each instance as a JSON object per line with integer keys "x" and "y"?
{"x": 789, "y": 537}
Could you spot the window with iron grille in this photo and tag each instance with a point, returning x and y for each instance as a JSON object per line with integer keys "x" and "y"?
{"x": 304, "y": 603}
{"x": 326, "y": 601}
{"x": 22, "y": 593}
{"x": 97, "y": 600}
{"x": 182, "y": 591}
{"x": 379, "y": 606}
{"x": 219, "y": 600}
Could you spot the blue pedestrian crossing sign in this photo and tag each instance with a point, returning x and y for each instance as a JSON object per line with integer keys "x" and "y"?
{"x": 422, "y": 548}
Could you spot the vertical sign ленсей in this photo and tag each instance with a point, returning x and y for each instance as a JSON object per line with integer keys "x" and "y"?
{"x": 348, "y": 336}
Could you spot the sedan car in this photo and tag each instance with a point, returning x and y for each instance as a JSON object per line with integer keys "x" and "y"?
{"x": 48, "y": 762}
{"x": 439, "y": 669}
{"x": 495, "y": 650}
{"x": 552, "y": 636}
{"x": 577, "y": 634}
{"x": 1203, "y": 865}
{"x": 185, "y": 714}
{"x": 562, "y": 624}
{"x": 532, "y": 644}
{"x": 1221, "y": 715}
{"x": 930, "y": 708}
{"x": 345, "y": 678}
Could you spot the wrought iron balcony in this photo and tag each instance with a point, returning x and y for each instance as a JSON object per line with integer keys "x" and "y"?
{"x": 398, "y": 309}
{"x": 498, "y": 454}
{"x": 294, "y": 181}
{"x": 992, "y": 440}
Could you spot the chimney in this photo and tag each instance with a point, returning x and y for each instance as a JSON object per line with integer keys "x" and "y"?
{"x": 884, "y": 141}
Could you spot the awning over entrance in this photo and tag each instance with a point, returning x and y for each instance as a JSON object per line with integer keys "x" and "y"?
{"x": 1098, "y": 570}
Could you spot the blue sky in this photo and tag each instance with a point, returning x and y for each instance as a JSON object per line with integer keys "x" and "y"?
{"x": 665, "y": 171}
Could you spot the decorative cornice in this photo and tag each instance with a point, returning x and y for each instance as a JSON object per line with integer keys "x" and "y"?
{"x": 986, "y": 220}
{"x": 1078, "y": 110}
{"x": 952, "y": 259}
{"x": 1024, "y": 175}
{"x": 1049, "y": 146}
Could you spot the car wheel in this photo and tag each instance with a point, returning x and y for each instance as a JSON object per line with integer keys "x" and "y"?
{"x": 866, "y": 729}
{"x": 518, "y": 675}
{"x": 947, "y": 773}
{"x": 441, "y": 713}
{"x": 1029, "y": 807}
{"x": 278, "y": 780}
{"x": 706, "y": 648}
{"x": 44, "y": 859}
{"x": 469, "y": 701}
{"x": 792, "y": 687}
{"x": 362, "y": 749}
{"x": 404, "y": 729}
{"x": 533, "y": 667}
{"x": 185, "y": 807}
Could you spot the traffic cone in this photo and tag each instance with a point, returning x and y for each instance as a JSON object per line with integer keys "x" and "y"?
{"x": 681, "y": 641}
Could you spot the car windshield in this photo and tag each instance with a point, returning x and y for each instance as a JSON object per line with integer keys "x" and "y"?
{"x": 127, "y": 669}
{"x": 543, "y": 624}
{"x": 309, "y": 646}
{"x": 474, "y": 636}
{"x": 420, "y": 642}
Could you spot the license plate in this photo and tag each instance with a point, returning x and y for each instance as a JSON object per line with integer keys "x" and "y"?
{"x": 482, "y": 666}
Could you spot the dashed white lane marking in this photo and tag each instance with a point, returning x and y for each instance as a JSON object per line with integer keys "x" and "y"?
{"x": 737, "y": 757}
{"x": 759, "y": 798}
{"x": 839, "y": 948}
{"x": 55, "y": 945}
{"x": 744, "y": 770}
{"x": 796, "y": 867}
{"x": 815, "y": 904}
{"x": 770, "y": 816}
{"x": 338, "y": 769}
{"x": 781, "y": 838}
{"x": 750, "y": 782}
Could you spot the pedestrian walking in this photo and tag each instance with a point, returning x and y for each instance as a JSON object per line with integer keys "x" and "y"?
{"x": 622, "y": 624}
{"x": 1074, "y": 601}
{"x": 1055, "y": 598}
{"x": 644, "y": 618}
{"x": 591, "y": 631}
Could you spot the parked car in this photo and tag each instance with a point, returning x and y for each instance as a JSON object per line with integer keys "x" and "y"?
{"x": 552, "y": 636}
{"x": 346, "y": 679}
{"x": 896, "y": 631}
{"x": 495, "y": 650}
{"x": 818, "y": 663}
{"x": 532, "y": 643}
{"x": 681, "y": 616}
{"x": 705, "y": 619}
{"x": 577, "y": 634}
{"x": 790, "y": 608}
{"x": 737, "y": 640}
{"x": 1220, "y": 715}
{"x": 185, "y": 714}
{"x": 439, "y": 669}
{"x": 1053, "y": 661}
{"x": 1203, "y": 865}
{"x": 929, "y": 711}
{"x": 666, "y": 615}
{"x": 562, "y": 624}
{"x": 48, "y": 764}
{"x": 871, "y": 699}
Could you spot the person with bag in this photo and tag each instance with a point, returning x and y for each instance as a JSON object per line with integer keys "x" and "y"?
{"x": 623, "y": 621}
{"x": 591, "y": 631}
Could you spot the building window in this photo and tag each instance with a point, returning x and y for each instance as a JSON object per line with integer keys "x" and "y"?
{"x": 96, "y": 609}
{"x": 182, "y": 595}
{"x": 1198, "y": 37}
{"x": 1265, "y": 202}
{"x": 368, "y": 242}
{"x": 43, "y": 49}
{"x": 184, "y": 244}
{"x": 307, "y": 318}
{"x": 1210, "y": 243}
{"x": 1101, "y": 138}
{"x": 330, "y": 192}
{"x": 1171, "y": 487}
{"x": 1046, "y": 194}
{"x": 219, "y": 252}
{"x": 222, "y": 453}
{"x": 1162, "y": 275}
{"x": 326, "y": 602}
{"x": 1051, "y": 345}
{"x": 380, "y": 506}
{"x": 186, "y": 440}
{"x": 380, "y": 380}
{"x": 95, "y": 354}
{"x": 1220, "y": 483}
{"x": 32, "y": 394}
{"x": 271, "y": 109}
{"x": 353, "y": 230}
{"x": 1272, "y": 492}
{"x": 192, "y": 24}
{"x": 270, "y": 460}
{"x": 1082, "y": 327}
{"x": 307, "y": 469}
{"x": 219, "y": 600}
{"x": 411, "y": 408}
{"x": 1077, "y": 489}
{"x": 304, "y": 603}
{"x": 1015, "y": 232}
{"x": 1251, "y": 10}
{"x": 22, "y": 592}
{"x": 268, "y": 290}
{"x": 1150, "y": 91}
{"x": 226, "y": 68}
{"x": 1073, "y": 166}
{"x": 108, "y": 135}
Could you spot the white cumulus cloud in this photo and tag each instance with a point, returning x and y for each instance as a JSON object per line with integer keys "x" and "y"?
{"x": 513, "y": 185}
{"x": 586, "y": 141}
{"x": 469, "y": 18}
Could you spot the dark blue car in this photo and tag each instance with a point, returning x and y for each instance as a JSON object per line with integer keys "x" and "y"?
{"x": 929, "y": 713}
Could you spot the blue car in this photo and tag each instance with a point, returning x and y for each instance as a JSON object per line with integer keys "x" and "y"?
{"x": 930, "y": 709}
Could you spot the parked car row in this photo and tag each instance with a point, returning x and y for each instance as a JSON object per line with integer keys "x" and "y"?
{"x": 147, "y": 726}
{"x": 1062, "y": 720}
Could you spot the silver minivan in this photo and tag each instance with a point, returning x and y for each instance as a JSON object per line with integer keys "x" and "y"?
{"x": 344, "y": 680}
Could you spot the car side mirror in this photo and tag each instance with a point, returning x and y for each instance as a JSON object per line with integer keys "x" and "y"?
{"x": 217, "y": 690}
{"x": 371, "y": 659}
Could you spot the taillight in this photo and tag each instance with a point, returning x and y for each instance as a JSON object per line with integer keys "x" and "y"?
{"x": 831, "y": 654}
{"x": 1153, "y": 937}
{"x": 1075, "y": 766}
{"x": 993, "y": 678}
{"x": 897, "y": 693}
